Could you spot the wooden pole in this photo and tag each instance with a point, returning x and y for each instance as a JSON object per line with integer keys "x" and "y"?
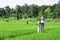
{"x": 27, "y": 21}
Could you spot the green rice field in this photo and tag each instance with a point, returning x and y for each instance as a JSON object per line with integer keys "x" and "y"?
{"x": 19, "y": 30}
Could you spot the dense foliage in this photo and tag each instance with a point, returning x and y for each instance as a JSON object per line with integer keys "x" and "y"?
{"x": 31, "y": 11}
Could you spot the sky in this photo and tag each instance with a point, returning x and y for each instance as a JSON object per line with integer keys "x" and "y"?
{"x": 13, "y": 3}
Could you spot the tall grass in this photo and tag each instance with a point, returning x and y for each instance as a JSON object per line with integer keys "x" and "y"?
{"x": 19, "y": 30}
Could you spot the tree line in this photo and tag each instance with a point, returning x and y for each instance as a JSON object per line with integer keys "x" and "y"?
{"x": 31, "y": 11}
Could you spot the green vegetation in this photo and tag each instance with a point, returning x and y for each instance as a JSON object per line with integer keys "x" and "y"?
{"x": 31, "y": 11}
{"x": 19, "y": 30}
{"x": 13, "y": 24}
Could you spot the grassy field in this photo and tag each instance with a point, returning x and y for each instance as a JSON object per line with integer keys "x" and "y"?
{"x": 19, "y": 30}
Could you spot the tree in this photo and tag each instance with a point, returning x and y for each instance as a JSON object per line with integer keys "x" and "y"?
{"x": 33, "y": 9}
{"x": 57, "y": 10}
{"x": 41, "y": 11}
{"x": 2, "y": 12}
{"x": 18, "y": 11}
{"x": 40, "y": 14}
{"x": 24, "y": 10}
{"x": 7, "y": 10}
{"x": 48, "y": 12}
{"x": 12, "y": 13}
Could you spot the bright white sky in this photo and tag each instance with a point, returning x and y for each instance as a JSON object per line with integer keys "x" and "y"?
{"x": 13, "y": 3}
